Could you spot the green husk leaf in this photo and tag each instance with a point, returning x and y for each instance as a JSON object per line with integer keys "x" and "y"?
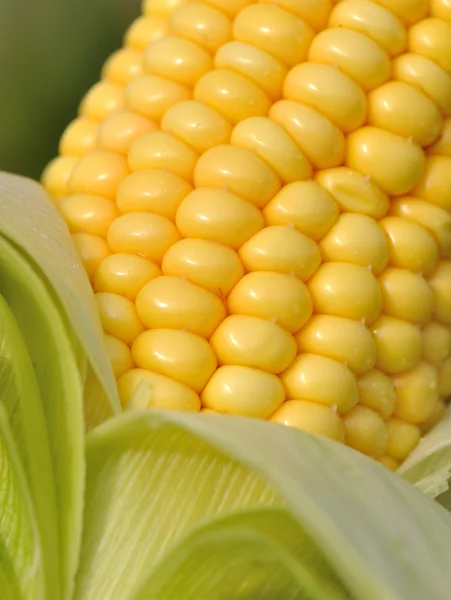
{"x": 20, "y": 398}
{"x": 58, "y": 365}
{"x": 31, "y": 222}
{"x": 21, "y": 575}
{"x": 154, "y": 477}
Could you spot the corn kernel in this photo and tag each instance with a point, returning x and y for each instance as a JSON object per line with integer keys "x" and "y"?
{"x": 436, "y": 343}
{"x": 357, "y": 239}
{"x": 373, "y": 20}
{"x": 444, "y": 379}
{"x": 123, "y": 66}
{"x": 124, "y": 274}
{"x": 144, "y": 30}
{"x": 391, "y": 463}
{"x": 173, "y": 303}
{"x": 430, "y": 38}
{"x": 440, "y": 283}
{"x": 270, "y": 295}
{"x": 312, "y": 417}
{"x": 409, "y": 11}
{"x": 365, "y": 431}
{"x": 402, "y": 438}
{"x": 119, "y": 317}
{"x": 99, "y": 173}
{"x": 229, "y": 7}
{"x": 328, "y": 90}
{"x": 435, "y": 183}
{"x": 321, "y": 379}
{"x": 243, "y": 391}
{"x": 79, "y": 138}
{"x": 306, "y": 206}
{"x": 443, "y": 145}
{"x": 346, "y": 290}
{"x": 253, "y": 342}
{"x": 180, "y": 355}
{"x": 219, "y": 216}
{"x": 441, "y": 9}
{"x": 202, "y": 25}
{"x": 399, "y": 344}
{"x": 436, "y": 416}
{"x": 210, "y": 265}
{"x": 118, "y": 131}
{"x": 406, "y": 295}
{"x": 57, "y": 174}
{"x": 102, "y": 100}
{"x": 238, "y": 170}
{"x": 161, "y": 8}
{"x": 313, "y": 12}
{"x": 92, "y": 251}
{"x": 146, "y": 234}
{"x": 159, "y": 192}
{"x": 320, "y": 140}
{"x": 88, "y": 214}
{"x": 376, "y": 391}
{"x": 119, "y": 355}
{"x": 163, "y": 392}
{"x": 152, "y": 96}
{"x": 282, "y": 249}
{"x": 416, "y": 393}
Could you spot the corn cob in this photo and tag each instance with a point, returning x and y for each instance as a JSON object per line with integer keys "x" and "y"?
{"x": 261, "y": 196}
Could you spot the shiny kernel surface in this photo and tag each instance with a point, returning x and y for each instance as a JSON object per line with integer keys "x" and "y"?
{"x": 409, "y": 11}
{"x": 430, "y": 38}
{"x": 92, "y": 250}
{"x": 88, "y": 214}
{"x": 119, "y": 317}
{"x": 180, "y": 355}
{"x": 79, "y": 138}
{"x": 210, "y": 265}
{"x": 144, "y": 31}
{"x": 103, "y": 99}
{"x": 282, "y": 249}
{"x": 124, "y": 274}
{"x": 119, "y": 354}
{"x": 229, "y": 7}
{"x": 245, "y": 391}
{"x": 328, "y": 90}
{"x": 57, "y": 174}
{"x": 440, "y": 283}
{"x": 344, "y": 340}
{"x": 99, "y": 173}
{"x": 377, "y": 391}
{"x": 238, "y": 170}
{"x": 152, "y": 96}
{"x": 406, "y": 295}
{"x": 442, "y": 146}
{"x": 204, "y": 25}
{"x": 441, "y": 9}
{"x": 323, "y": 380}
{"x": 399, "y": 344}
{"x": 123, "y": 66}
{"x": 435, "y": 183}
{"x": 118, "y": 131}
{"x": 403, "y": 437}
{"x": 274, "y": 296}
{"x": 416, "y": 393}
{"x": 312, "y": 417}
{"x": 357, "y": 239}
{"x": 253, "y": 342}
{"x": 313, "y": 12}
{"x": 436, "y": 343}
{"x": 366, "y": 431}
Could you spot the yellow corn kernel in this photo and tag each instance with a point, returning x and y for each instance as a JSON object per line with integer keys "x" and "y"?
{"x": 219, "y": 216}
{"x": 210, "y": 265}
{"x": 269, "y": 295}
{"x": 180, "y": 355}
{"x": 354, "y": 53}
{"x": 144, "y": 30}
{"x": 427, "y": 76}
{"x": 442, "y": 146}
{"x": 320, "y": 140}
{"x": 163, "y": 392}
{"x": 197, "y": 125}
{"x": 152, "y": 96}
{"x": 444, "y": 379}
{"x": 373, "y": 20}
{"x": 328, "y": 90}
{"x": 435, "y": 183}
{"x": 155, "y": 191}
{"x": 395, "y": 106}
{"x": 229, "y": 7}
{"x": 391, "y": 463}
{"x": 124, "y": 274}
{"x": 253, "y": 342}
{"x": 435, "y": 219}
{"x": 399, "y": 344}
{"x": 257, "y": 65}
{"x": 274, "y": 30}
{"x": 436, "y": 343}
{"x": 272, "y": 144}
{"x": 342, "y": 339}
{"x": 409, "y": 11}
{"x": 79, "y": 138}
{"x": 321, "y": 379}
{"x": 119, "y": 354}
{"x": 441, "y": 9}
{"x": 123, "y": 65}
{"x": 102, "y": 100}
{"x": 376, "y": 391}
{"x": 92, "y": 251}
{"x": 392, "y": 162}
{"x": 238, "y": 170}
{"x": 306, "y": 206}
{"x": 440, "y": 283}
{"x": 357, "y": 239}
{"x": 366, "y": 431}
{"x": 119, "y": 317}
{"x": 416, "y": 393}
{"x": 88, "y": 214}
{"x": 354, "y": 192}
{"x": 282, "y": 249}
{"x": 160, "y": 150}
{"x": 346, "y": 290}
{"x": 201, "y": 24}
{"x": 98, "y": 173}
{"x": 411, "y": 246}
{"x": 406, "y": 295}
{"x": 146, "y": 234}
{"x": 57, "y": 174}
{"x": 173, "y": 303}
{"x": 402, "y": 438}
{"x": 313, "y": 12}
{"x": 430, "y": 38}
{"x": 118, "y": 131}
{"x": 243, "y": 391}
{"x": 160, "y": 8}
{"x": 224, "y": 91}
{"x": 436, "y": 416}
{"x": 312, "y": 417}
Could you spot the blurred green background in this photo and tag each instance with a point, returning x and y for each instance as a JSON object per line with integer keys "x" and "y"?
{"x": 51, "y": 52}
